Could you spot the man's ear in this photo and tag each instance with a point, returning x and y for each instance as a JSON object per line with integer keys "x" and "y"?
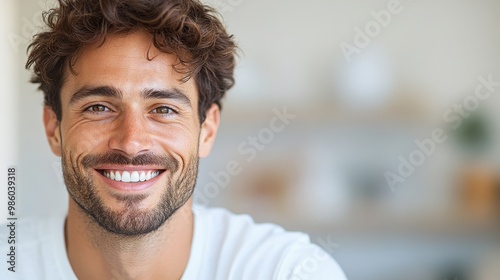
{"x": 209, "y": 130}
{"x": 52, "y": 130}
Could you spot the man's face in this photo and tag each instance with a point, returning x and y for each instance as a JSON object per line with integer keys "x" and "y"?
{"x": 130, "y": 136}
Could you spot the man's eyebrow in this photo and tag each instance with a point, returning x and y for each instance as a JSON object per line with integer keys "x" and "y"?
{"x": 87, "y": 91}
{"x": 175, "y": 94}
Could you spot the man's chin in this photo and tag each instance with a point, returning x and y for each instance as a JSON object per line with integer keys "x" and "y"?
{"x": 124, "y": 213}
{"x": 133, "y": 223}
{"x": 126, "y": 220}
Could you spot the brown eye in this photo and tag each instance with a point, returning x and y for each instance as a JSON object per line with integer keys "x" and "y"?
{"x": 97, "y": 108}
{"x": 163, "y": 110}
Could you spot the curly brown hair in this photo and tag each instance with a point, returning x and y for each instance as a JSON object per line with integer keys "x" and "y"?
{"x": 186, "y": 28}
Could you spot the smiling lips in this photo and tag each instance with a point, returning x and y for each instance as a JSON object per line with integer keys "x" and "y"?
{"x": 130, "y": 177}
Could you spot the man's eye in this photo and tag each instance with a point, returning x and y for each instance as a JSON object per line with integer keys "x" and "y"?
{"x": 97, "y": 108}
{"x": 163, "y": 110}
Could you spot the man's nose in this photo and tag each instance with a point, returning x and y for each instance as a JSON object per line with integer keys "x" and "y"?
{"x": 131, "y": 136}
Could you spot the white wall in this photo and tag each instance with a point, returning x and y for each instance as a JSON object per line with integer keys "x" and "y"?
{"x": 43, "y": 190}
{"x": 8, "y": 96}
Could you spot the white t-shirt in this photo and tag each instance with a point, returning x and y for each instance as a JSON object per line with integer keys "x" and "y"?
{"x": 225, "y": 246}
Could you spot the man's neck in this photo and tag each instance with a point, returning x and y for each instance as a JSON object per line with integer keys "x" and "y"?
{"x": 95, "y": 253}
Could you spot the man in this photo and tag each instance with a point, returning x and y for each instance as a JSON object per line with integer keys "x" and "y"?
{"x": 132, "y": 101}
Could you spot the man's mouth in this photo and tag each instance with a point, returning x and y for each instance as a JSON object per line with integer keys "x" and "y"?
{"x": 130, "y": 176}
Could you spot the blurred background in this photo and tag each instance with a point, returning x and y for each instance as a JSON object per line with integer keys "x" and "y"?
{"x": 321, "y": 132}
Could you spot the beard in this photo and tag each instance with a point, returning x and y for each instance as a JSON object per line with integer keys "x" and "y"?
{"x": 131, "y": 221}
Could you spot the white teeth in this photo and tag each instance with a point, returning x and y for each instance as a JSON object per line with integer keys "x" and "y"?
{"x": 134, "y": 177}
{"x": 126, "y": 177}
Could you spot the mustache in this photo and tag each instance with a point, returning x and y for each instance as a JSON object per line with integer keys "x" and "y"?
{"x": 113, "y": 158}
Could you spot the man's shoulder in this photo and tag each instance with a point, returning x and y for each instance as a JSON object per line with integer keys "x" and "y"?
{"x": 240, "y": 234}
{"x": 26, "y": 232}
{"x": 242, "y": 226}
{"x": 32, "y": 243}
{"x": 264, "y": 248}
{"x": 32, "y": 234}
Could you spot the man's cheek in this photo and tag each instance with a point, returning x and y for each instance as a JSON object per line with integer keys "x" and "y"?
{"x": 83, "y": 144}
{"x": 176, "y": 140}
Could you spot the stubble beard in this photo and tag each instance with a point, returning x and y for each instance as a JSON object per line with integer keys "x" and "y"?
{"x": 130, "y": 221}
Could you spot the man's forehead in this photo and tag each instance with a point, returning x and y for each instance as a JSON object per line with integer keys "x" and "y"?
{"x": 126, "y": 61}
{"x": 123, "y": 48}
